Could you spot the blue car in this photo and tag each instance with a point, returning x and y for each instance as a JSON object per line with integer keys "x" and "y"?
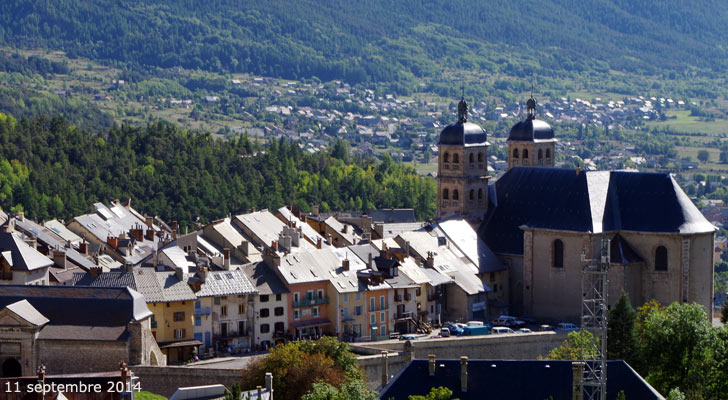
{"x": 454, "y": 329}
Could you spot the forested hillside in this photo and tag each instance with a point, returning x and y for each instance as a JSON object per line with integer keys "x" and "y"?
{"x": 51, "y": 169}
{"x": 374, "y": 40}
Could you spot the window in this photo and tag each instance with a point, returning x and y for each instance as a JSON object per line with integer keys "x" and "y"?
{"x": 372, "y": 304}
{"x": 373, "y": 319}
{"x": 241, "y": 309}
{"x": 472, "y": 158}
{"x": 315, "y": 312}
{"x": 548, "y": 153}
{"x": 455, "y": 158}
{"x": 197, "y": 304}
{"x": 179, "y": 315}
{"x": 263, "y": 298}
{"x": 241, "y": 328}
{"x": 480, "y": 157}
{"x": 357, "y": 310}
{"x": 217, "y": 301}
{"x": 381, "y": 302}
{"x": 525, "y": 153}
{"x": 320, "y": 293}
{"x": 278, "y": 311}
{"x": 278, "y": 327}
{"x": 358, "y": 296}
{"x": 418, "y": 291}
{"x": 296, "y": 314}
{"x": 295, "y": 297}
{"x": 264, "y": 328}
{"x": 309, "y": 294}
{"x": 346, "y": 297}
{"x": 480, "y": 194}
{"x": 381, "y": 317}
{"x": 198, "y": 321}
{"x": 558, "y": 254}
{"x": 540, "y": 154}
{"x": 264, "y": 312}
{"x": 278, "y": 297}
{"x": 446, "y": 157}
{"x": 472, "y": 194}
{"x": 661, "y": 259}
{"x": 455, "y": 195}
{"x": 515, "y": 153}
{"x": 445, "y": 194}
{"x": 383, "y": 330}
{"x": 179, "y": 333}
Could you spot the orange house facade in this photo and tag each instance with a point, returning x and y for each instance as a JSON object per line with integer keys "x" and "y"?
{"x": 308, "y": 304}
{"x": 377, "y": 315}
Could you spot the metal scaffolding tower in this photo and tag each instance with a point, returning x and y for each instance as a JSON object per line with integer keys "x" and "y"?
{"x": 594, "y": 320}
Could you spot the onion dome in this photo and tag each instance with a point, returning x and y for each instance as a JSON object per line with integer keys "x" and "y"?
{"x": 463, "y": 133}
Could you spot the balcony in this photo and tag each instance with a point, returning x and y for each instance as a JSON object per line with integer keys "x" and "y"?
{"x": 311, "y": 302}
{"x": 202, "y": 311}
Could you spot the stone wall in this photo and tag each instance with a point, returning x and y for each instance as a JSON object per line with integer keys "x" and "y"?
{"x": 373, "y": 365}
{"x": 71, "y": 356}
{"x": 166, "y": 380}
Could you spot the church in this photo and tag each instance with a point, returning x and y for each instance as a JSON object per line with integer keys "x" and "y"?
{"x": 539, "y": 219}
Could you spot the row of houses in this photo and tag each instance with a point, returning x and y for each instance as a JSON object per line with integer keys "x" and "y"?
{"x": 249, "y": 281}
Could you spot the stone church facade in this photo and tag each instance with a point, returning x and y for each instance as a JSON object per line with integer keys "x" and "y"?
{"x": 538, "y": 220}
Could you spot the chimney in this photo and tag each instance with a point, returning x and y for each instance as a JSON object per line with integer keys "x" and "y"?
{"x": 406, "y": 248}
{"x": 149, "y": 221}
{"x": 83, "y": 247}
{"x": 149, "y": 234}
{"x": 95, "y": 271}
{"x": 464, "y": 374}
{"x": 430, "y": 260}
{"x": 385, "y": 368}
{"x": 137, "y": 233}
{"x": 20, "y": 216}
{"x": 128, "y": 267}
{"x": 269, "y": 385}
{"x": 432, "y": 364}
{"x": 346, "y": 228}
{"x": 409, "y": 350}
{"x": 318, "y": 243}
{"x": 274, "y": 245}
{"x": 179, "y": 274}
{"x": 345, "y": 264}
{"x": 175, "y": 227}
{"x": 577, "y": 391}
{"x": 202, "y": 273}
{"x": 369, "y": 260}
{"x": 59, "y": 258}
{"x": 315, "y": 210}
{"x": 124, "y": 372}
{"x": 226, "y": 258}
{"x": 578, "y": 170}
{"x": 328, "y": 239}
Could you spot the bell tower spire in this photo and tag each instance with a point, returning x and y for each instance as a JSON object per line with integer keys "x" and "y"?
{"x": 462, "y": 108}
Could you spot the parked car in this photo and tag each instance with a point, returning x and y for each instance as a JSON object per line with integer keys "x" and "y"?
{"x": 445, "y": 332}
{"x": 565, "y": 327}
{"x": 524, "y": 330}
{"x": 502, "y": 329}
{"x": 454, "y": 328}
{"x": 544, "y": 328}
{"x": 408, "y": 337}
{"x": 507, "y": 320}
{"x": 475, "y": 331}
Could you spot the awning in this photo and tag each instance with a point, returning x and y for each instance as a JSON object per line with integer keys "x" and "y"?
{"x": 184, "y": 343}
{"x": 311, "y": 323}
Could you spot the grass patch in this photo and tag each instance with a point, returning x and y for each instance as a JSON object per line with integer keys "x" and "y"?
{"x": 681, "y": 121}
{"x": 144, "y": 395}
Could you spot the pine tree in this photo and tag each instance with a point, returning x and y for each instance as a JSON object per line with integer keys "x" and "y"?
{"x": 620, "y": 331}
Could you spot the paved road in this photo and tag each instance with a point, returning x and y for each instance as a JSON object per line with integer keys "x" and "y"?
{"x": 225, "y": 362}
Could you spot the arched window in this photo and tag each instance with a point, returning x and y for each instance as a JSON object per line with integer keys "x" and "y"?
{"x": 525, "y": 153}
{"x": 472, "y": 158}
{"x": 515, "y": 153}
{"x": 480, "y": 157}
{"x": 480, "y": 194}
{"x": 446, "y": 157}
{"x": 540, "y": 154}
{"x": 472, "y": 194}
{"x": 558, "y": 254}
{"x": 455, "y": 158}
{"x": 548, "y": 153}
{"x": 455, "y": 195}
{"x": 445, "y": 194}
{"x": 661, "y": 259}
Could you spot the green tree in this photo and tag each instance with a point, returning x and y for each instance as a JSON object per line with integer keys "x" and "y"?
{"x": 676, "y": 346}
{"x": 620, "y": 330}
{"x": 234, "y": 393}
{"x": 355, "y": 390}
{"x": 577, "y": 345}
{"x": 724, "y": 313}
{"x": 438, "y": 393}
{"x": 703, "y": 156}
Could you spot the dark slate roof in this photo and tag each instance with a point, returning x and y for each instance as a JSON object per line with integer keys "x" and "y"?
{"x": 105, "y": 279}
{"x": 155, "y": 286}
{"x": 531, "y": 130}
{"x": 498, "y": 379}
{"x": 80, "y": 313}
{"x": 392, "y": 215}
{"x": 621, "y": 252}
{"x": 594, "y": 201}
{"x": 263, "y": 279}
{"x": 463, "y": 134}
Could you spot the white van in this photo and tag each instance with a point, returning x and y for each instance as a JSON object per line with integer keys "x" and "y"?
{"x": 475, "y": 323}
{"x": 501, "y": 329}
